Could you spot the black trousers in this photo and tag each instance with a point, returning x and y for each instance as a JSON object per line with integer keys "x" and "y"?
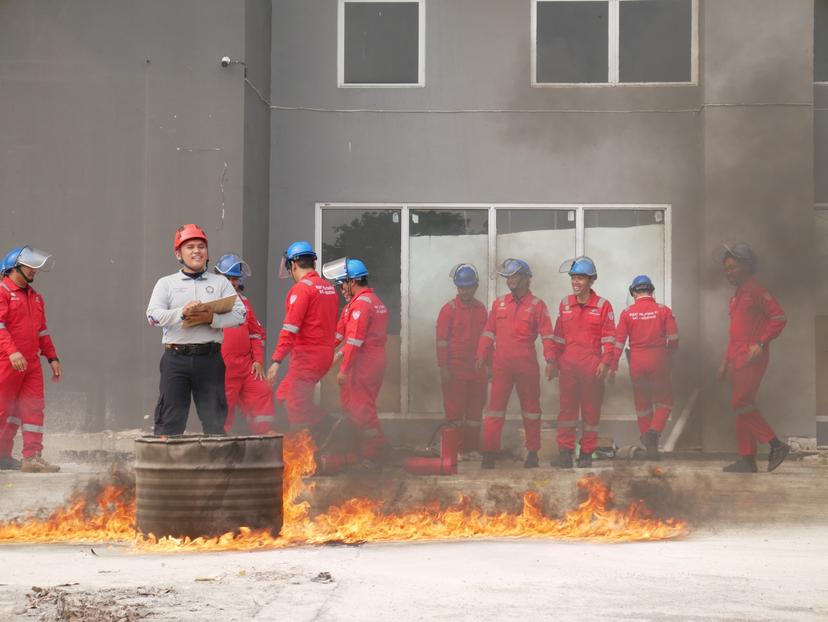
{"x": 183, "y": 375}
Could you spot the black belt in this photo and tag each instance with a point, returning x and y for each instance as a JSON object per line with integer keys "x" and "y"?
{"x": 194, "y": 349}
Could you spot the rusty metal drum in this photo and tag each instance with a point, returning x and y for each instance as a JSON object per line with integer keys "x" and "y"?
{"x": 196, "y": 485}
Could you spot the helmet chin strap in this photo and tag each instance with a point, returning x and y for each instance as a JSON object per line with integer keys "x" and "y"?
{"x": 23, "y": 274}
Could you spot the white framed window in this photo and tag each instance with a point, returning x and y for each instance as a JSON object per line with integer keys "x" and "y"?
{"x": 410, "y": 248}
{"x": 381, "y": 43}
{"x": 614, "y": 42}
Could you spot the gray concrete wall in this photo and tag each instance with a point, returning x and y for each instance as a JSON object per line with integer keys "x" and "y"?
{"x": 738, "y": 171}
{"x": 477, "y": 59}
{"x": 758, "y": 134}
{"x": 118, "y": 125}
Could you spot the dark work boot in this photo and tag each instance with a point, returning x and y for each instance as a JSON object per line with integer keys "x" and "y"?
{"x": 9, "y": 464}
{"x": 777, "y": 455}
{"x": 650, "y": 441}
{"x": 585, "y": 460}
{"x": 563, "y": 460}
{"x": 488, "y": 461}
{"x": 531, "y": 461}
{"x": 745, "y": 464}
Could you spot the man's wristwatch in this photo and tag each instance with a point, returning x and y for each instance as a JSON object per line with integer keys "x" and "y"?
{"x": 761, "y": 344}
{"x": 54, "y": 360}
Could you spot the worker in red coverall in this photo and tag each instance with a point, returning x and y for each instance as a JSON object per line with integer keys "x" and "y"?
{"x": 307, "y": 335}
{"x": 584, "y": 354}
{"x": 756, "y": 318}
{"x": 363, "y": 358}
{"x": 513, "y": 325}
{"x": 459, "y": 326}
{"x": 23, "y": 336}
{"x": 245, "y": 383}
{"x": 653, "y": 334}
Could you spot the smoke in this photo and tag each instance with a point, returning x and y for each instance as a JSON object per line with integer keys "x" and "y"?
{"x": 120, "y": 475}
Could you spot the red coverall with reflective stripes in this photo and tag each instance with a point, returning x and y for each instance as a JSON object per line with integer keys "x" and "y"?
{"x": 242, "y": 346}
{"x": 363, "y": 363}
{"x": 755, "y": 316}
{"x": 511, "y": 329}
{"x": 308, "y": 336}
{"x": 653, "y": 336}
{"x": 584, "y": 338}
{"x": 22, "y": 329}
{"x": 459, "y": 326}
{"x": 338, "y": 337}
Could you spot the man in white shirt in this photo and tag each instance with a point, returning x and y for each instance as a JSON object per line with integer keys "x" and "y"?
{"x": 192, "y": 362}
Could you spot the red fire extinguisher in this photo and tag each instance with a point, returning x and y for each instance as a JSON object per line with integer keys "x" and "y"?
{"x": 430, "y": 466}
{"x": 450, "y": 443}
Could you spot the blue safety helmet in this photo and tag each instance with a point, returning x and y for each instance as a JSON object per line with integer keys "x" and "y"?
{"x": 642, "y": 283}
{"x": 293, "y": 252}
{"x": 464, "y": 275}
{"x": 512, "y": 266}
{"x": 356, "y": 269}
{"x": 742, "y": 252}
{"x": 299, "y": 249}
{"x": 233, "y": 265}
{"x": 27, "y": 256}
{"x": 583, "y": 266}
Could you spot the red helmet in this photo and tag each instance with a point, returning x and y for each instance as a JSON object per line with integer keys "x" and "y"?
{"x": 188, "y": 232}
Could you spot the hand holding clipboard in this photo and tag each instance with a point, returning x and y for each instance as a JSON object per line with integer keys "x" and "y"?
{"x": 202, "y": 312}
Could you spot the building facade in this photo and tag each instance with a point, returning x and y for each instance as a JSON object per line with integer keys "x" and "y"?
{"x": 418, "y": 134}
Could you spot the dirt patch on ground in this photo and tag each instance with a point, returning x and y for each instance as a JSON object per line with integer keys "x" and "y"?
{"x": 65, "y": 604}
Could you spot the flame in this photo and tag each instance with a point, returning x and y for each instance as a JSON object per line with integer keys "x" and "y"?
{"x": 111, "y": 519}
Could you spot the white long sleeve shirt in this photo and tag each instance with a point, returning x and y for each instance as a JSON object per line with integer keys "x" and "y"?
{"x": 170, "y": 295}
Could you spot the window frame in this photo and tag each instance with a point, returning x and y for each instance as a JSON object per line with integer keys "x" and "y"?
{"x": 613, "y": 49}
{"x": 340, "y": 49}
{"x": 492, "y": 208}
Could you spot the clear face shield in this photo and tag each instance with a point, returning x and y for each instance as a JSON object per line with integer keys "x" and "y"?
{"x": 245, "y": 269}
{"x": 36, "y": 259}
{"x": 284, "y": 268}
{"x": 566, "y": 266}
{"x": 336, "y": 270}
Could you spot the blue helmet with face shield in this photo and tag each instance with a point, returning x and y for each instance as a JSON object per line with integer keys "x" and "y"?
{"x": 512, "y": 267}
{"x": 233, "y": 265}
{"x": 464, "y": 275}
{"x": 579, "y": 266}
{"x": 26, "y": 256}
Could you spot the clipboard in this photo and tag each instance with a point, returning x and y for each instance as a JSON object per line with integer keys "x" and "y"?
{"x": 222, "y": 305}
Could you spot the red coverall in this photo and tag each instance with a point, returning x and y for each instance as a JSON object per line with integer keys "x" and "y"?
{"x": 308, "y": 336}
{"x": 338, "y": 337}
{"x": 653, "y": 336}
{"x": 242, "y": 346}
{"x": 584, "y": 338}
{"x": 363, "y": 363}
{"x": 512, "y": 328}
{"x": 459, "y": 326}
{"x": 755, "y": 316}
{"x": 22, "y": 329}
